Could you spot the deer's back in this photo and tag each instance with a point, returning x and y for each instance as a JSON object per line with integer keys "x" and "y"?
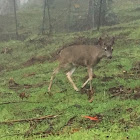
{"x": 79, "y": 54}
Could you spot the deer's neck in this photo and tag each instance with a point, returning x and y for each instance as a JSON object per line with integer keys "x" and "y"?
{"x": 101, "y": 54}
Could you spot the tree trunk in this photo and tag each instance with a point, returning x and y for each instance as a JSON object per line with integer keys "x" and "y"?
{"x": 69, "y": 15}
{"x": 100, "y": 12}
{"x": 15, "y": 13}
{"x": 49, "y": 18}
{"x": 104, "y": 11}
{"x": 91, "y": 14}
{"x": 44, "y": 15}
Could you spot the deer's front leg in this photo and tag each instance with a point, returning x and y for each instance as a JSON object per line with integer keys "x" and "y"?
{"x": 69, "y": 74}
{"x": 90, "y": 74}
{"x": 90, "y": 77}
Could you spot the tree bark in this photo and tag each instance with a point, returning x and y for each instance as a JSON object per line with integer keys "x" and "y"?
{"x": 91, "y": 14}
{"x": 44, "y": 15}
{"x": 49, "y": 18}
{"x": 100, "y": 12}
{"x": 69, "y": 15}
{"x": 104, "y": 11}
{"x": 15, "y": 13}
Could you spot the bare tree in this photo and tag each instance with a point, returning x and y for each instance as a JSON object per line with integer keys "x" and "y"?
{"x": 15, "y": 13}
{"x": 104, "y": 11}
{"x": 69, "y": 14}
{"x": 99, "y": 18}
{"x": 44, "y": 15}
{"x": 47, "y": 4}
{"x": 91, "y": 14}
{"x": 49, "y": 17}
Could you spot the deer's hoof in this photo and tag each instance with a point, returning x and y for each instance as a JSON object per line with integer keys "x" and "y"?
{"x": 49, "y": 93}
{"x": 77, "y": 90}
{"x": 91, "y": 100}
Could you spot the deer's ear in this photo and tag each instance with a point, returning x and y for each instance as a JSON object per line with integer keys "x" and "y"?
{"x": 113, "y": 40}
{"x": 100, "y": 41}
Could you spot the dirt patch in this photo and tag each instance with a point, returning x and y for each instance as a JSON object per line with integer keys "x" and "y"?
{"x": 134, "y": 72}
{"x": 137, "y": 93}
{"x": 125, "y": 93}
{"x": 136, "y": 67}
{"x": 35, "y": 60}
{"x": 105, "y": 79}
{"x": 121, "y": 91}
{"x": 12, "y": 84}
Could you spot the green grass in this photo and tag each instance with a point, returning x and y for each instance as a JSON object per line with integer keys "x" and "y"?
{"x": 69, "y": 103}
{"x": 119, "y": 116}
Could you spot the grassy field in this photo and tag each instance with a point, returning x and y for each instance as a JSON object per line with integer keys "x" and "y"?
{"x": 24, "y": 78}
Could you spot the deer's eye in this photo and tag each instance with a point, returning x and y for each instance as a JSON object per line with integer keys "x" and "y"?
{"x": 105, "y": 49}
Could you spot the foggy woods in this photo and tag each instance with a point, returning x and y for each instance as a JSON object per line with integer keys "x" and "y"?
{"x": 58, "y": 15}
{"x": 69, "y": 69}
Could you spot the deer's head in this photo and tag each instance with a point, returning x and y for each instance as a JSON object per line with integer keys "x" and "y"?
{"x": 107, "y": 46}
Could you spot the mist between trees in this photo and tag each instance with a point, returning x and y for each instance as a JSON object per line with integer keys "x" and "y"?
{"x": 20, "y": 18}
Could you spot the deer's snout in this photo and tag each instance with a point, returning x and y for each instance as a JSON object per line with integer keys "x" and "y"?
{"x": 110, "y": 57}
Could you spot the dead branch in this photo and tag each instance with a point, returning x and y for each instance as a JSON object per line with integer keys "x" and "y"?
{"x": 17, "y": 102}
{"x": 10, "y": 135}
{"x": 30, "y": 119}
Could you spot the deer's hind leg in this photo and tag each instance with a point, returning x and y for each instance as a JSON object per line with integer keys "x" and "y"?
{"x": 52, "y": 77}
{"x": 91, "y": 92}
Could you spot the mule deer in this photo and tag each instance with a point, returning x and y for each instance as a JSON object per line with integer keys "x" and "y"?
{"x": 83, "y": 55}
